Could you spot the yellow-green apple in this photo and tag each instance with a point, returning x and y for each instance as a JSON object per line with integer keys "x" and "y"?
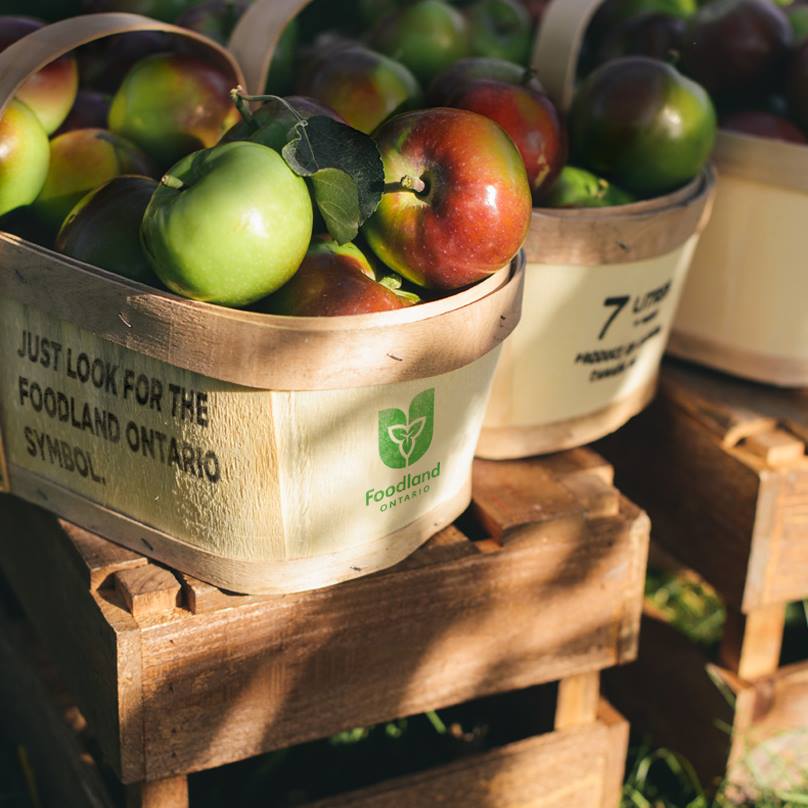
{"x": 501, "y": 29}
{"x": 228, "y": 225}
{"x": 50, "y": 93}
{"x": 24, "y": 157}
{"x": 90, "y": 111}
{"x": 103, "y": 228}
{"x": 362, "y": 86}
{"x": 457, "y": 204}
{"x": 524, "y": 112}
{"x": 104, "y": 64}
{"x": 426, "y": 36}
{"x": 172, "y": 104}
{"x": 579, "y": 188}
{"x": 80, "y": 161}
{"x": 641, "y": 123}
{"x": 333, "y": 280}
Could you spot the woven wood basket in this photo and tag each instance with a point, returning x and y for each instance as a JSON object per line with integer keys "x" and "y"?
{"x": 263, "y": 454}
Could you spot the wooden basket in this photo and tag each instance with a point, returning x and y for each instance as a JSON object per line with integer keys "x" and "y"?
{"x": 601, "y": 289}
{"x": 743, "y": 308}
{"x": 252, "y": 451}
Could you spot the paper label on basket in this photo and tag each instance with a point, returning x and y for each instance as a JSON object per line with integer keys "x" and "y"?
{"x": 5, "y": 483}
{"x": 242, "y": 473}
{"x": 589, "y": 336}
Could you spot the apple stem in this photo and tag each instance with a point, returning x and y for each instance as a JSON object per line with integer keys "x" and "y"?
{"x": 407, "y": 183}
{"x": 255, "y": 99}
{"x": 242, "y": 105}
{"x": 170, "y": 181}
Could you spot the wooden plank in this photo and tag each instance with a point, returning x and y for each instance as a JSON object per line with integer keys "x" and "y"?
{"x": 148, "y": 590}
{"x": 83, "y": 631}
{"x": 597, "y": 497}
{"x": 707, "y": 504}
{"x": 98, "y": 558}
{"x": 776, "y": 447}
{"x": 578, "y": 698}
{"x": 391, "y": 645}
{"x": 573, "y": 767}
{"x": 511, "y": 497}
{"x": 751, "y": 643}
{"x": 62, "y": 771}
{"x": 669, "y": 695}
{"x": 577, "y": 462}
{"x": 169, "y": 793}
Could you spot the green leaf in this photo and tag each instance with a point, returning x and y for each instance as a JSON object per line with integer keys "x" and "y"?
{"x": 321, "y": 142}
{"x": 337, "y": 198}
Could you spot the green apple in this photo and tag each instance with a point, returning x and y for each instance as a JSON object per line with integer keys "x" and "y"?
{"x": 579, "y": 188}
{"x": 281, "y": 71}
{"x": 426, "y": 36}
{"x": 24, "y": 157}
{"x": 228, "y": 225}
{"x": 501, "y": 29}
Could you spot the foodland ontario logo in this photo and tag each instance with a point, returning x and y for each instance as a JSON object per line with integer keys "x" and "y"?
{"x": 405, "y": 438}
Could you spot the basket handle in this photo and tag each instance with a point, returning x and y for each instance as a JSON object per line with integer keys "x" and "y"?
{"x": 256, "y": 36}
{"x": 558, "y": 46}
{"x": 34, "y": 51}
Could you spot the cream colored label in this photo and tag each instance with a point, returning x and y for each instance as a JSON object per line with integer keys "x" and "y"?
{"x": 588, "y": 337}
{"x": 242, "y": 473}
{"x": 748, "y": 286}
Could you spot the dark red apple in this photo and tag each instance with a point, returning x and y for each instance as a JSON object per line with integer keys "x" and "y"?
{"x": 453, "y": 79}
{"x": 659, "y": 36}
{"x": 213, "y": 18}
{"x": 797, "y": 86}
{"x": 103, "y": 64}
{"x": 50, "y": 93}
{"x": 333, "y": 280}
{"x": 526, "y": 114}
{"x": 90, "y": 111}
{"x": 736, "y": 47}
{"x": 458, "y": 204}
{"x": 763, "y": 124}
{"x": 103, "y": 228}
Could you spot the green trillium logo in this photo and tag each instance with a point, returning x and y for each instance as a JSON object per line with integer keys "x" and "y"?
{"x": 405, "y": 439}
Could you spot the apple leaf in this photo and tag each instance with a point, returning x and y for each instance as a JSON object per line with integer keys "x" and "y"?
{"x": 337, "y": 198}
{"x": 321, "y": 142}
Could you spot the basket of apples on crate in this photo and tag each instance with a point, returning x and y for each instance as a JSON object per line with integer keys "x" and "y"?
{"x": 208, "y": 356}
{"x": 607, "y": 252}
{"x": 742, "y": 309}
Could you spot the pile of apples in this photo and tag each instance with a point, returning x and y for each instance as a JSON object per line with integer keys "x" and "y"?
{"x": 398, "y": 157}
{"x": 750, "y": 55}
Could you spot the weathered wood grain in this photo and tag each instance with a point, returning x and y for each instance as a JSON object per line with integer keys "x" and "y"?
{"x": 715, "y": 501}
{"x": 582, "y": 766}
{"x": 224, "y": 677}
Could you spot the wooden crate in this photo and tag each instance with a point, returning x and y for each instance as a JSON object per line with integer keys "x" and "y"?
{"x": 720, "y": 466}
{"x": 750, "y": 728}
{"x": 540, "y": 582}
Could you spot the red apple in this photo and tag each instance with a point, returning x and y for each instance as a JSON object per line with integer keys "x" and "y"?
{"x": 458, "y": 203}
{"x": 763, "y": 124}
{"x": 362, "y": 86}
{"x": 736, "y": 47}
{"x": 526, "y": 114}
{"x": 80, "y": 161}
{"x": 453, "y": 79}
{"x": 89, "y": 112}
{"x": 50, "y": 93}
{"x": 333, "y": 280}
